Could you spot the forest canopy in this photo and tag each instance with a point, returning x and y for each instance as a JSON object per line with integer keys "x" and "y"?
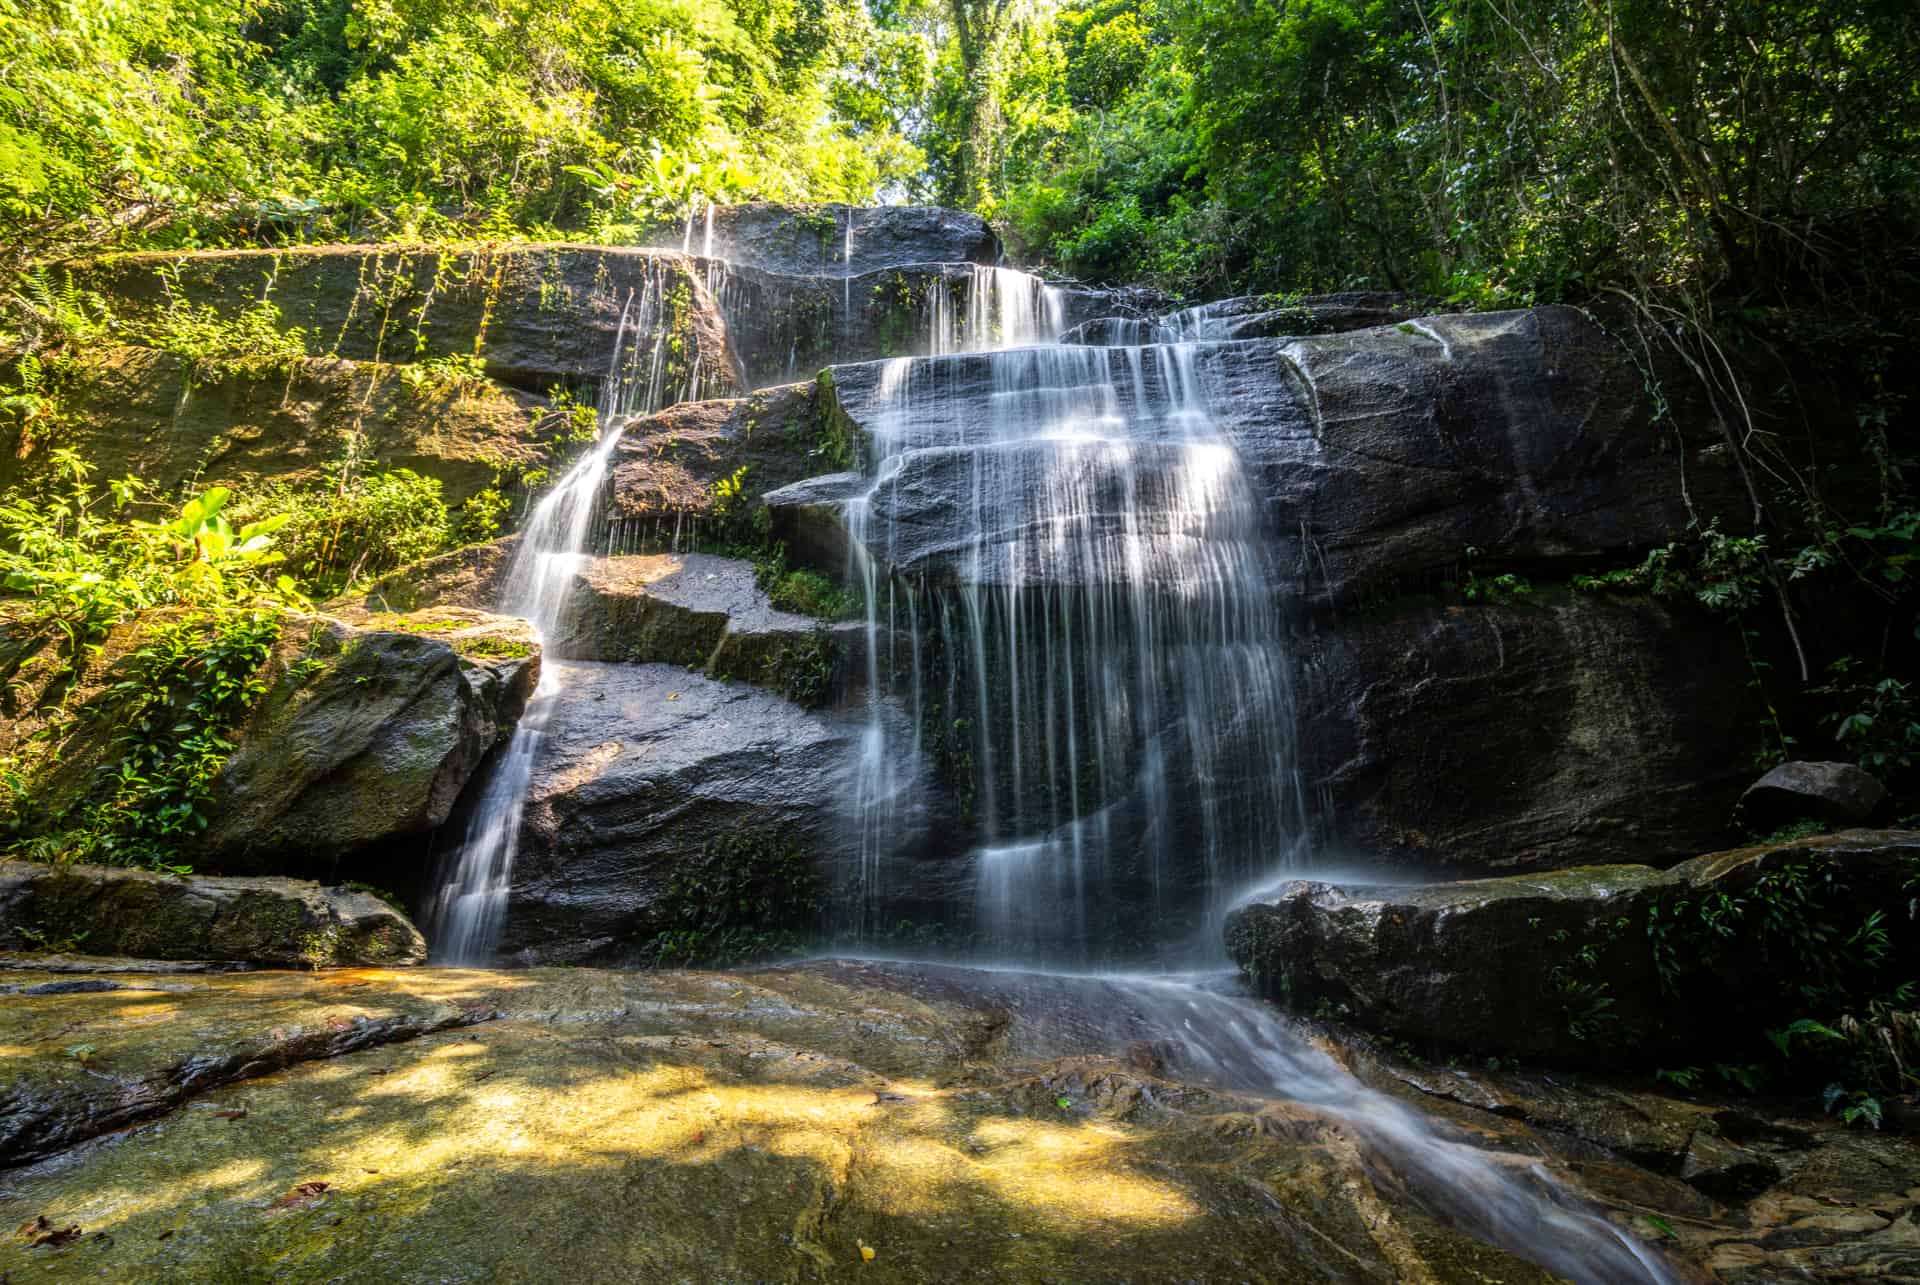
{"x": 1481, "y": 149}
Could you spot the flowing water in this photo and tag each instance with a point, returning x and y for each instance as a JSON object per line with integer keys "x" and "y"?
{"x": 469, "y": 906}
{"x": 1112, "y": 667}
{"x": 1091, "y": 644}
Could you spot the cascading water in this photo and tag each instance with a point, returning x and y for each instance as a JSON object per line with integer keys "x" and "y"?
{"x": 1067, "y": 542}
{"x": 469, "y": 907}
{"x": 1111, "y": 644}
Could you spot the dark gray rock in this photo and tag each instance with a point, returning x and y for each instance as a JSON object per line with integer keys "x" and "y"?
{"x": 1253, "y": 317}
{"x": 1556, "y": 729}
{"x": 1726, "y": 1171}
{"x": 1379, "y": 459}
{"x": 1597, "y": 965}
{"x": 366, "y": 736}
{"x": 286, "y": 923}
{"x": 1838, "y": 794}
{"x": 695, "y": 472}
{"x": 666, "y": 802}
{"x": 703, "y": 612}
{"x": 815, "y": 240}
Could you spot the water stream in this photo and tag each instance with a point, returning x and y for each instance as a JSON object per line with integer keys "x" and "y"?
{"x": 469, "y": 904}
{"x": 1067, "y": 592}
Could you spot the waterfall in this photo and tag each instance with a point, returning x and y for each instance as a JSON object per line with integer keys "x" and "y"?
{"x": 1111, "y": 644}
{"x": 468, "y": 909}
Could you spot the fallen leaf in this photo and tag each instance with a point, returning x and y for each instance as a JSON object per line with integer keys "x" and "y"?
{"x": 673, "y": 696}
{"x": 699, "y": 1135}
{"x": 303, "y": 1194}
{"x": 238, "y": 1113}
{"x": 379, "y": 1070}
{"x": 866, "y": 1251}
{"x": 41, "y": 1232}
{"x": 163, "y": 1235}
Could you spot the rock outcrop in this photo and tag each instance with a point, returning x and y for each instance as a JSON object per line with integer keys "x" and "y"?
{"x": 365, "y": 734}
{"x": 536, "y": 315}
{"x": 674, "y": 816}
{"x": 1612, "y": 965}
{"x": 1834, "y": 794}
{"x": 279, "y": 923}
{"x": 959, "y": 1125}
{"x": 148, "y": 414}
{"x": 1555, "y": 728}
{"x": 1254, "y": 317}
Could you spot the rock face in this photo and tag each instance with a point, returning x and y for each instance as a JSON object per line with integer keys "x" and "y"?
{"x": 817, "y": 240}
{"x": 703, "y": 612}
{"x": 541, "y": 314}
{"x": 1624, "y": 966}
{"x": 1836, "y": 794}
{"x": 1254, "y": 317}
{"x": 1554, "y": 729}
{"x": 696, "y": 471}
{"x": 145, "y": 413}
{"x": 283, "y": 923}
{"x": 1462, "y": 454}
{"x": 1379, "y": 458}
{"x": 368, "y": 736}
{"x": 674, "y": 814}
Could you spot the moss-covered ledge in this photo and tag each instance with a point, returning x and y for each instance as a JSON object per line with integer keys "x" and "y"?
{"x": 279, "y": 922}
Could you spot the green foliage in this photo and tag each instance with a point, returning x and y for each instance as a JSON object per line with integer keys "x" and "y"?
{"x": 212, "y": 341}
{"x": 185, "y": 122}
{"x": 1799, "y": 920}
{"x": 188, "y": 684}
{"x": 359, "y": 525}
{"x": 745, "y": 895}
{"x": 80, "y": 567}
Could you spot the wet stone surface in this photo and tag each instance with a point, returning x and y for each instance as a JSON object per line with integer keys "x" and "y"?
{"x": 776, "y": 1125}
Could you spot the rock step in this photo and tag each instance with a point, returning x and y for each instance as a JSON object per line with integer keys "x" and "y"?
{"x": 288, "y": 923}
{"x": 1621, "y": 966}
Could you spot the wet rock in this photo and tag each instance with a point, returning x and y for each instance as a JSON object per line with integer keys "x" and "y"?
{"x": 696, "y": 472}
{"x": 1379, "y": 457}
{"x": 1554, "y": 730}
{"x": 1726, "y": 1171}
{"x": 667, "y": 802}
{"x": 1254, "y": 317}
{"x": 815, "y": 240}
{"x": 703, "y": 612}
{"x": 1613, "y": 972}
{"x": 550, "y": 312}
{"x": 768, "y": 1124}
{"x": 1838, "y": 794}
{"x": 810, "y": 519}
{"x": 95, "y": 1063}
{"x": 155, "y": 416}
{"x": 280, "y": 922}
{"x": 366, "y": 736}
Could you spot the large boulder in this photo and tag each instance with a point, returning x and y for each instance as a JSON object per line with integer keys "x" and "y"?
{"x": 367, "y": 735}
{"x": 1612, "y": 965}
{"x": 674, "y": 816}
{"x": 281, "y": 923}
{"x": 1835, "y": 794}
{"x": 1555, "y": 729}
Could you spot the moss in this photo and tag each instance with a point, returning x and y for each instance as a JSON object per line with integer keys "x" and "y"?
{"x": 746, "y": 895}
